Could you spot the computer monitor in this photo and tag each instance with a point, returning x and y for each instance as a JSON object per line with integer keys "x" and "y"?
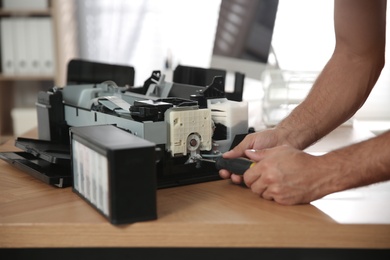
{"x": 244, "y": 34}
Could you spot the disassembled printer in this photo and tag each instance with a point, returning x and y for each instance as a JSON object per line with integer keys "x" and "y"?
{"x": 181, "y": 122}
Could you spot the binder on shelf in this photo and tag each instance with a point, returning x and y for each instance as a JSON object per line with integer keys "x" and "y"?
{"x": 7, "y": 47}
{"x": 45, "y": 29}
{"x": 20, "y": 42}
{"x": 34, "y": 59}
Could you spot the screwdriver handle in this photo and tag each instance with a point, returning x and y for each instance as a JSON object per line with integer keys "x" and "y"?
{"x": 235, "y": 165}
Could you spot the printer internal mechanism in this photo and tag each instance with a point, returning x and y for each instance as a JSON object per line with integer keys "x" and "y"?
{"x": 180, "y": 122}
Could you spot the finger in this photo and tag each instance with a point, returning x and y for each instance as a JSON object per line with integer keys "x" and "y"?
{"x": 224, "y": 174}
{"x": 256, "y": 155}
{"x": 237, "y": 179}
{"x": 234, "y": 153}
{"x": 239, "y": 150}
{"x": 267, "y": 195}
{"x": 260, "y": 188}
{"x": 257, "y": 187}
{"x": 251, "y": 176}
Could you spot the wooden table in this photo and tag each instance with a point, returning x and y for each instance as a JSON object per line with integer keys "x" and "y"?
{"x": 215, "y": 214}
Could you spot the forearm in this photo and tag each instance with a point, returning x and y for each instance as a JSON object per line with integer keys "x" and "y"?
{"x": 355, "y": 165}
{"x": 337, "y": 94}
{"x": 347, "y": 79}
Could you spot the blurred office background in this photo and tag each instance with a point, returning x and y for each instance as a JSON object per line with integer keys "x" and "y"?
{"x": 148, "y": 33}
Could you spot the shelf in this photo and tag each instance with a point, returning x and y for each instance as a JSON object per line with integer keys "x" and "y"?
{"x": 26, "y": 77}
{"x": 6, "y": 13}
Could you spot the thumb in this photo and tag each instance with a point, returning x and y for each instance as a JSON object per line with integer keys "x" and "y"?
{"x": 239, "y": 150}
{"x": 255, "y": 155}
{"x": 234, "y": 153}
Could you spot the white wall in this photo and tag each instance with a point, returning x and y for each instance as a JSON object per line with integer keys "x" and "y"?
{"x": 142, "y": 33}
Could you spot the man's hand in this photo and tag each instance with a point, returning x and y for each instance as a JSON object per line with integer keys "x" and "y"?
{"x": 290, "y": 176}
{"x": 257, "y": 141}
{"x": 287, "y": 175}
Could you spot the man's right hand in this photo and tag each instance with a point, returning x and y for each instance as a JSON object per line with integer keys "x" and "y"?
{"x": 257, "y": 141}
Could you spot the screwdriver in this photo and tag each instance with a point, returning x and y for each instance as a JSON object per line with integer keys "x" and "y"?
{"x": 235, "y": 165}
